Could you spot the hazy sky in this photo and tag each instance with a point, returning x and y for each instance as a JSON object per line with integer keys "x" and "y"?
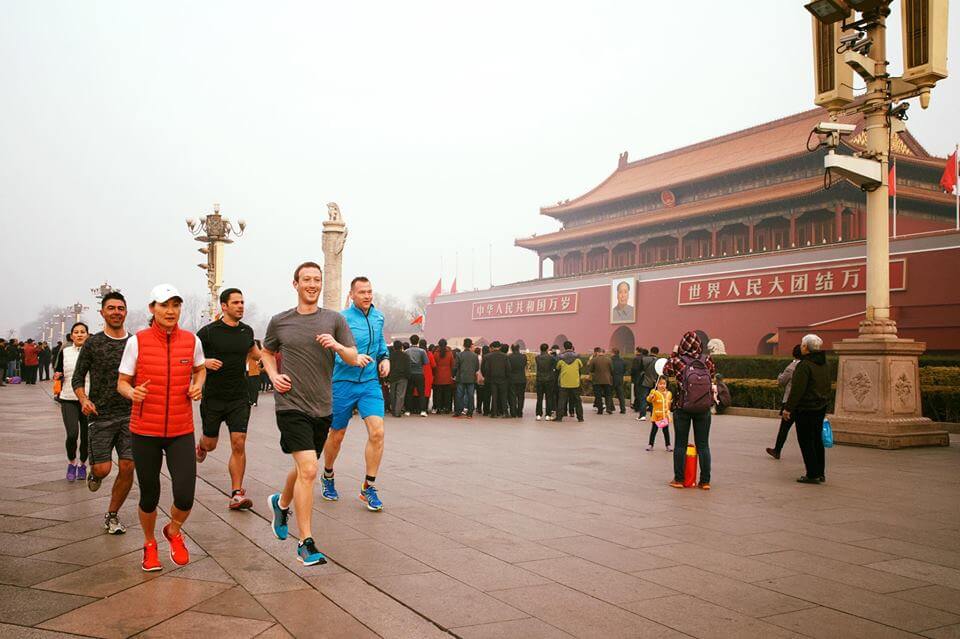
{"x": 439, "y": 127}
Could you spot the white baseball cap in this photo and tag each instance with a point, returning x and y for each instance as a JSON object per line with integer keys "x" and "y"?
{"x": 163, "y": 292}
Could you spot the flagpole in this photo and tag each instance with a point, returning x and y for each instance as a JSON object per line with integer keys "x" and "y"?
{"x": 894, "y": 185}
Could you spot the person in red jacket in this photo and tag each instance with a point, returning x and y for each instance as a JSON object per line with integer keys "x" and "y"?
{"x": 161, "y": 371}
{"x": 443, "y": 378}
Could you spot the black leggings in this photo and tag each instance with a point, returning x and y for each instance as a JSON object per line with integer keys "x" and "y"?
{"x": 75, "y": 423}
{"x": 148, "y": 453}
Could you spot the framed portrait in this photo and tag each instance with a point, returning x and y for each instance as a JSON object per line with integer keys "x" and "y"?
{"x": 623, "y": 300}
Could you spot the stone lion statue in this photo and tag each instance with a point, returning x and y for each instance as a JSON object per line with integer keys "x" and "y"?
{"x": 716, "y": 347}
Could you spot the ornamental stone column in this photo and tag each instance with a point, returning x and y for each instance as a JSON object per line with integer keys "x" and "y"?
{"x": 334, "y": 238}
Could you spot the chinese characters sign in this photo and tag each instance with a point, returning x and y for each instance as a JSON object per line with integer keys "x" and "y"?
{"x": 546, "y": 304}
{"x": 841, "y": 279}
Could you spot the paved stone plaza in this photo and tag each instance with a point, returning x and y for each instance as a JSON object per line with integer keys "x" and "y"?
{"x": 498, "y": 528}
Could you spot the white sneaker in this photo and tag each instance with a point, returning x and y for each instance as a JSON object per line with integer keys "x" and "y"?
{"x": 538, "y": 418}
{"x": 423, "y": 414}
{"x": 407, "y": 413}
{"x": 548, "y": 418}
{"x": 642, "y": 418}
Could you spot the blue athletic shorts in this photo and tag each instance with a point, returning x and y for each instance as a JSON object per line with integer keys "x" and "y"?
{"x": 347, "y": 396}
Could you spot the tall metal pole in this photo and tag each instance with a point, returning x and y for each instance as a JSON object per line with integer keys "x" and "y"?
{"x": 878, "y": 223}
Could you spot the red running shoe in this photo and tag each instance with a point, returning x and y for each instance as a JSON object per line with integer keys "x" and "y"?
{"x": 151, "y": 560}
{"x": 178, "y": 549}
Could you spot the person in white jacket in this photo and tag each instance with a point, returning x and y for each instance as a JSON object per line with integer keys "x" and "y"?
{"x": 785, "y": 379}
{"x": 74, "y": 421}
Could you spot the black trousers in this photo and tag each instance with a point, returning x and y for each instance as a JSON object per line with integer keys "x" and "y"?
{"x": 148, "y": 454}
{"x": 603, "y": 394}
{"x": 415, "y": 403}
{"x": 75, "y": 423}
{"x": 785, "y": 425}
{"x": 517, "y": 394}
{"x": 653, "y": 433}
{"x": 810, "y": 437}
{"x": 253, "y": 388}
{"x": 499, "y": 398}
{"x": 30, "y": 374}
{"x": 442, "y": 397}
{"x": 570, "y": 397}
{"x": 546, "y": 391}
{"x": 45, "y": 372}
{"x": 618, "y": 393}
{"x": 483, "y": 399}
{"x": 682, "y": 423}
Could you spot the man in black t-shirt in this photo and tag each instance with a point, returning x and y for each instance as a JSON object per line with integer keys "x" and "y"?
{"x": 227, "y": 343}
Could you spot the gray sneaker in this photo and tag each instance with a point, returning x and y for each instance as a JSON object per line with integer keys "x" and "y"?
{"x": 111, "y": 523}
{"x": 93, "y": 482}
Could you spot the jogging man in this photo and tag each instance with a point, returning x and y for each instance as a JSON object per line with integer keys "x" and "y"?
{"x": 359, "y": 389}
{"x": 307, "y": 337}
{"x": 227, "y": 343}
{"x": 107, "y": 410}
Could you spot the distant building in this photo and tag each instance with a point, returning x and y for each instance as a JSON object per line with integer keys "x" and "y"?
{"x": 738, "y": 236}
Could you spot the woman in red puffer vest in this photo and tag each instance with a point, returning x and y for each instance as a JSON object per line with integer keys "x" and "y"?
{"x": 161, "y": 372}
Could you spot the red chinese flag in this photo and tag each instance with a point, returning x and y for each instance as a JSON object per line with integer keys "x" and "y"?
{"x": 949, "y": 180}
{"x": 453, "y": 288}
{"x": 892, "y": 180}
{"x": 436, "y": 291}
{"x": 417, "y": 320}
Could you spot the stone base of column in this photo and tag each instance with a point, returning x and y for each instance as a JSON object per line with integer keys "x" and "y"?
{"x": 878, "y": 393}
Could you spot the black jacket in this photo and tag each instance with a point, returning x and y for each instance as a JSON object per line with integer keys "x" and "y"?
{"x": 619, "y": 367}
{"x": 810, "y": 390}
{"x": 546, "y": 368}
{"x": 496, "y": 367}
{"x": 399, "y": 365}
{"x": 518, "y": 368}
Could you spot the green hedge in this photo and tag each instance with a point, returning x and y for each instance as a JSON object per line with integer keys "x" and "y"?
{"x": 769, "y": 366}
{"x": 940, "y": 403}
{"x": 940, "y": 376}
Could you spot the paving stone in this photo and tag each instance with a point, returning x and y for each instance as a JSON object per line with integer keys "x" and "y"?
{"x": 934, "y": 596}
{"x": 913, "y": 550}
{"x": 106, "y": 578}
{"x": 733, "y": 566}
{"x": 9, "y": 631}
{"x": 24, "y": 544}
{"x": 87, "y": 527}
{"x": 480, "y": 570}
{"x": 94, "y": 550}
{"x": 18, "y": 571}
{"x": 526, "y": 527}
{"x": 595, "y": 580}
{"x": 310, "y": 614}
{"x": 370, "y": 558}
{"x": 235, "y": 602}
{"x": 618, "y": 533}
{"x": 505, "y": 546}
{"x": 947, "y": 632}
{"x": 14, "y": 524}
{"x": 28, "y": 607}
{"x": 606, "y": 553}
{"x": 862, "y": 603}
{"x": 582, "y": 615}
{"x": 206, "y": 569}
{"x": 825, "y": 623}
{"x": 205, "y": 625}
{"x": 448, "y": 602}
{"x": 699, "y": 618}
{"x": 922, "y": 571}
{"x": 374, "y": 609}
{"x": 853, "y": 574}
{"x": 822, "y": 547}
{"x": 21, "y": 508}
{"x": 150, "y": 603}
{"x": 742, "y": 597}
{"x": 529, "y": 628}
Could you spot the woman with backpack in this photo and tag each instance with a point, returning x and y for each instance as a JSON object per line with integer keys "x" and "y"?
{"x": 695, "y": 373}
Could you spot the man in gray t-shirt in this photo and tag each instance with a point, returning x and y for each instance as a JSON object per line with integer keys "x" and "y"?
{"x": 307, "y": 364}
{"x": 306, "y": 339}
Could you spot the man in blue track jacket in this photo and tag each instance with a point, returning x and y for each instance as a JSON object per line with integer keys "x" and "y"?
{"x": 359, "y": 389}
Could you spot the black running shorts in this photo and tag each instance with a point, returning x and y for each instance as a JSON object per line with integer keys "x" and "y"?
{"x": 106, "y": 435}
{"x": 213, "y": 412}
{"x": 299, "y": 431}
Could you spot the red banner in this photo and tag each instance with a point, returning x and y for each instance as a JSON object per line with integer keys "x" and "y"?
{"x": 843, "y": 279}
{"x": 546, "y": 304}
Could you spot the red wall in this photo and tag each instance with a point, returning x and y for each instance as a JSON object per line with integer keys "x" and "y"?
{"x": 929, "y": 310}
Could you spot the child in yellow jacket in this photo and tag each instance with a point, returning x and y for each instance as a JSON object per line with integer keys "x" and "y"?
{"x": 661, "y": 400}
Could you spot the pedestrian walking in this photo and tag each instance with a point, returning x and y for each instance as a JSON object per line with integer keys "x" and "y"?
{"x": 807, "y": 405}
{"x": 661, "y": 401}
{"x": 74, "y": 421}
{"x": 784, "y": 380}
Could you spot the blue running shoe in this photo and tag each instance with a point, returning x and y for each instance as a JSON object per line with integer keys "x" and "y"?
{"x": 369, "y": 495}
{"x": 280, "y": 516}
{"x": 308, "y": 555}
{"x": 329, "y": 491}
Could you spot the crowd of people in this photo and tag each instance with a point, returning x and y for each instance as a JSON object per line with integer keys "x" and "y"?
{"x": 28, "y": 361}
{"x": 129, "y": 397}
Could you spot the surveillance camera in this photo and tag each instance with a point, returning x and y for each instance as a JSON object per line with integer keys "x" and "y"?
{"x": 862, "y": 172}
{"x": 900, "y": 111}
{"x": 824, "y": 128}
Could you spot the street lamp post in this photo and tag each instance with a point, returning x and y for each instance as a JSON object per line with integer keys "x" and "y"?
{"x": 214, "y": 231}
{"x": 878, "y": 399}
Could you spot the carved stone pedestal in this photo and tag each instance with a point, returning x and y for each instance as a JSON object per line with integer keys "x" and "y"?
{"x": 878, "y": 394}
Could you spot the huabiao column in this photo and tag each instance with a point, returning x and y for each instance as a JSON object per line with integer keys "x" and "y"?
{"x": 334, "y": 238}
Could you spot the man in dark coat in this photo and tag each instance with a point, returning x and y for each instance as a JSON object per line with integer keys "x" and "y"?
{"x": 600, "y": 368}
{"x": 807, "y": 404}
{"x": 496, "y": 373}
{"x": 518, "y": 380}
{"x": 618, "y": 369}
